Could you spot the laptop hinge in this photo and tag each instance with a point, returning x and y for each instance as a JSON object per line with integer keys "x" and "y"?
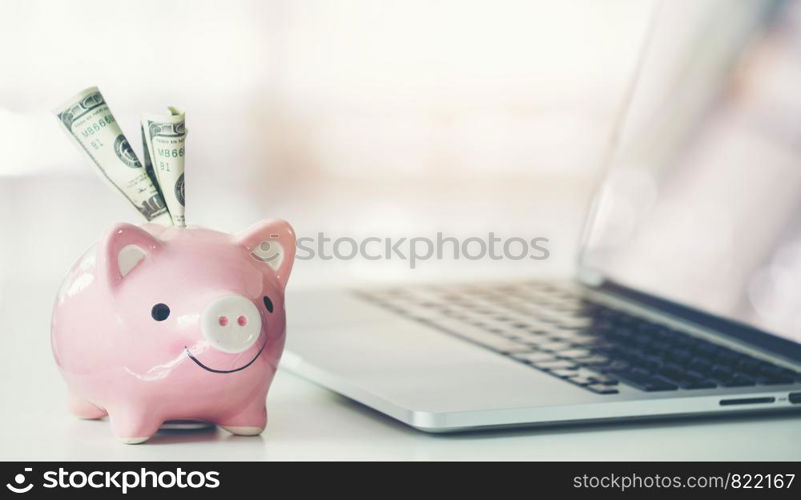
{"x": 590, "y": 277}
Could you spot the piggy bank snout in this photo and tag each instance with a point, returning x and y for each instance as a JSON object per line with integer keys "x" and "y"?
{"x": 231, "y": 323}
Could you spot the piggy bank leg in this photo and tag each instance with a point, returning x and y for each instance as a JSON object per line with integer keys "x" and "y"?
{"x": 249, "y": 422}
{"x": 133, "y": 426}
{"x": 82, "y": 408}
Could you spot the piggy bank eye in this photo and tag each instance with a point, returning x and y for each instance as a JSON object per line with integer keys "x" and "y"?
{"x": 160, "y": 312}
{"x": 268, "y": 304}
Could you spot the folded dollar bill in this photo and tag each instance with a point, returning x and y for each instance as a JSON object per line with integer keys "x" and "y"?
{"x": 89, "y": 123}
{"x": 164, "y": 138}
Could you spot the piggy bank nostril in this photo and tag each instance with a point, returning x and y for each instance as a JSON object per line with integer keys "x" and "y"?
{"x": 231, "y": 323}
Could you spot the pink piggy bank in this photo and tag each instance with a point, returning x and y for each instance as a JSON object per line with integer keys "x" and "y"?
{"x": 161, "y": 323}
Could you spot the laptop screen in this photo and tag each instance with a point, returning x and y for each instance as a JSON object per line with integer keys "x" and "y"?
{"x": 702, "y": 201}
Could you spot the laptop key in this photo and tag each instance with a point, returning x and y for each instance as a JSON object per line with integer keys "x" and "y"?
{"x": 774, "y": 380}
{"x": 610, "y": 366}
{"x": 557, "y": 364}
{"x": 592, "y": 359}
{"x": 534, "y": 357}
{"x": 738, "y": 381}
{"x": 721, "y": 372}
{"x": 581, "y": 380}
{"x": 780, "y": 372}
{"x": 644, "y": 381}
{"x": 593, "y": 376}
{"x": 573, "y": 353}
{"x": 554, "y": 346}
{"x": 604, "y": 379}
{"x": 698, "y": 384}
{"x": 601, "y": 389}
{"x": 685, "y": 379}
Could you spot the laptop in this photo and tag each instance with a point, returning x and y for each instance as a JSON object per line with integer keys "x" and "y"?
{"x": 687, "y": 296}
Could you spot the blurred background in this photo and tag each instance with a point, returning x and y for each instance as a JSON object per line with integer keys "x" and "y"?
{"x": 355, "y": 118}
{"x": 367, "y": 118}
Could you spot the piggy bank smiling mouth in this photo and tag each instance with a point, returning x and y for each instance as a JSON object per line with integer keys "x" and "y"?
{"x": 214, "y": 370}
{"x": 230, "y": 324}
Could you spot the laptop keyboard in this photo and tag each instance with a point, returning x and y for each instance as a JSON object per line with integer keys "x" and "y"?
{"x": 566, "y": 334}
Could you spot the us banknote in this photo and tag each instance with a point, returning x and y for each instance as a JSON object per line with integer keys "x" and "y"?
{"x": 91, "y": 125}
{"x": 164, "y": 138}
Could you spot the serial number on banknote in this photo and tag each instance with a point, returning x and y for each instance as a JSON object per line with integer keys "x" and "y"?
{"x": 97, "y": 126}
{"x": 170, "y": 153}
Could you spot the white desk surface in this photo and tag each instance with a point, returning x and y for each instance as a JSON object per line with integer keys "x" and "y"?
{"x": 306, "y": 421}
{"x": 310, "y": 423}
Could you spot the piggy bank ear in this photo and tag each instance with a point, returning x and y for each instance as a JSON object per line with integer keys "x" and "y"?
{"x": 124, "y": 248}
{"x": 272, "y": 242}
